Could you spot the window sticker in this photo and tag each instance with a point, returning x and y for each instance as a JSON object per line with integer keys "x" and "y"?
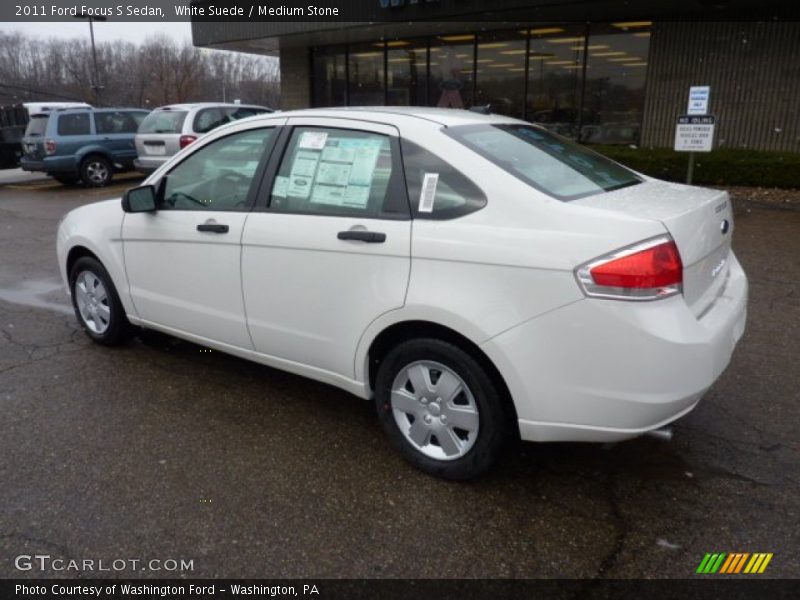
{"x": 301, "y": 177}
{"x": 356, "y": 196}
{"x": 428, "y": 192}
{"x": 328, "y": 194}
{"x": 338, "y": 153}
{"x": 364, "y": 162}
{"x": 313, "y": 140}
{"x": 299, "y": 186}
{"x": 305, "y": 163}
{"x": 280, "y": 186}
{"x": 332, "y": 173}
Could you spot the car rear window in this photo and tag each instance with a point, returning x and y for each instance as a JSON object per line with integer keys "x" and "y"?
{"x": 163, "y": 121}
{"x": 36, "y": 126}
{"x": 546, "y": 161}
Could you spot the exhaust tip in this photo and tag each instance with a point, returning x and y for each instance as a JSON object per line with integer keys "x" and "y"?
{"x": 663, "y": 434}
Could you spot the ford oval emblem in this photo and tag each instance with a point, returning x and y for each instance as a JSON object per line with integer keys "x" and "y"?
{"x": 724, "y": 226}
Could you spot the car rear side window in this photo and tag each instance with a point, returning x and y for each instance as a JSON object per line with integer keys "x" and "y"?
{"x": 340, "y": 172}
{"x": 209, "y": 118}
{"x": 437, "y": 190}
{"x": 547, "y": 162}
{"x": 163, "y": 121}
{"x": 115, "y": 122}
{"x": 75, "y": 124}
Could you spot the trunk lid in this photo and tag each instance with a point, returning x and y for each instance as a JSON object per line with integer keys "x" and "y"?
{"x": 157, "y": 145}
{"x": 700, "y": 220}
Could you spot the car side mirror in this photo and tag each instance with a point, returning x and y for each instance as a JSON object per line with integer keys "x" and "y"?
{"x": 140, "y": 199}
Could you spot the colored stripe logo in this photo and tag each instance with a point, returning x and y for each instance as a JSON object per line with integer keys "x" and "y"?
{"x": 734, "y": 563}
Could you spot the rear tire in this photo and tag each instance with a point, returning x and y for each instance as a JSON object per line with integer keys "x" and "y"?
{"x": 96, "y": 303}
{"x": 441, "y": 409}
{"x": 96, "y": 171}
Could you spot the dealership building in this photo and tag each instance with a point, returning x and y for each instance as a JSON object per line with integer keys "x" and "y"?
{"x": 603, "y": 72}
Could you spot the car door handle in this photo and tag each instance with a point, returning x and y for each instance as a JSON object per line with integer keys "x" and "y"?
{"x": 371, "y": 237}
{"x": 213, "y": 227}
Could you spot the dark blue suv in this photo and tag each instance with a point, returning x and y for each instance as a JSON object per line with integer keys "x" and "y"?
{"x": 86, "y": 145}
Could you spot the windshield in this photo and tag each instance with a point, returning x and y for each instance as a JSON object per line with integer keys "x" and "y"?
{"x": 163, "y": 121}
{"x": 36, "y": 126}
{"x": 544, "y": 160}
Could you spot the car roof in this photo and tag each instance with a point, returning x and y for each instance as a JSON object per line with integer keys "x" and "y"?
{"x": 389, "y": 114}
{"x": 190, "y": 106}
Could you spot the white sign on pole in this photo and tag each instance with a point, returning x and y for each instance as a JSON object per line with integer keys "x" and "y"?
{"x": 698, "y": 100}
{"x": 694, "y": 133}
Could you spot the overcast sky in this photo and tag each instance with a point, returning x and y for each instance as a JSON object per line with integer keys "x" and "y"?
{"x": 103, "y": 32}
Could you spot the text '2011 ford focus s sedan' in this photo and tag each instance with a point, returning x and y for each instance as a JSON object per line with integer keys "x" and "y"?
{"x": 475, "y": 275}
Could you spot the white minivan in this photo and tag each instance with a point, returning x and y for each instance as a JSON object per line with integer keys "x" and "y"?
{"x": 168, "y": 129}
{"x": 478, "y": 277}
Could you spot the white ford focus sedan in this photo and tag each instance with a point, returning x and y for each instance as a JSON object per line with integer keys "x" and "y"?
{"x": 477, "y": 276}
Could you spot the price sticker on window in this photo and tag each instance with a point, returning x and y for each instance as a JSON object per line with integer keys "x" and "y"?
{"x": 313, "y": 140}
{"x": 428, "y": 192}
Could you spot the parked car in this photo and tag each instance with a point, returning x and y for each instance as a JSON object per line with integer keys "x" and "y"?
{"x": 477, "y": 276}
{"x": 14, "y": 119}
{"x": 86, "y": 145}
{"x": 170, "y": 128}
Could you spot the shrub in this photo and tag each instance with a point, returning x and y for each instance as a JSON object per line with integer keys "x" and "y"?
{"x": 724, "y": 166}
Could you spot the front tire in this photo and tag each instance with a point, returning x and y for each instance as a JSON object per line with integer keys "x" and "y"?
{"x": 441, "y": 409}
{"x": 96, "y": 303}
{"x": 96, "y": 171}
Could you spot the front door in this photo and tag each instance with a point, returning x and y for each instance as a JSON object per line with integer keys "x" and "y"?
{"x": 329, "y": 250}
{"x": 183, "y": 261}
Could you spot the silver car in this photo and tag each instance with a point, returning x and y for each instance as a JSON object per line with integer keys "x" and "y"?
{"x": 169, "y": 128}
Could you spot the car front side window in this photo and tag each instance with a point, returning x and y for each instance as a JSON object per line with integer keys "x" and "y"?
{"x": 218, "y": 176}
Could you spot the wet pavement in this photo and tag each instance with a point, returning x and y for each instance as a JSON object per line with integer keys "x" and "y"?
{"x": 164, "y": 450}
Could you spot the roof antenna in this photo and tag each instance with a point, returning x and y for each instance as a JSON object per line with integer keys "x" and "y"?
{"x": 483, "y": 110}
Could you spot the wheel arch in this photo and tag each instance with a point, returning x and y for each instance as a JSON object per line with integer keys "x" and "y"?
{"x": 77, "y": 252}
{"x": 94, "y": 150}
{"x": 402, "y": 331}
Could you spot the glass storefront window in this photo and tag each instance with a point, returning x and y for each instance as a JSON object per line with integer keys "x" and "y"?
{"x": 330, "y": 76}
{"x": 589, "y": 89}
{"x": 366, "y": 72}
{"x": 615, "y": 79}
{"x": 500, "y": 73}
{"x": 406, "y": 73}
{"x": 452, "y": 71}
{"x": 555, "y": 68}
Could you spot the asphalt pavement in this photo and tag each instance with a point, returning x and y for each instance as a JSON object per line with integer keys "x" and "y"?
{"x": 162, "y": 450}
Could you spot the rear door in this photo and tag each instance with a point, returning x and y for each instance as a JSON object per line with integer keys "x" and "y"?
{"x": 329, "y": 249}
{"x": 115, "y": 131}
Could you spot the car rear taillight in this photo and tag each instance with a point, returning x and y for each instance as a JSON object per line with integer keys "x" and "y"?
{"x": 186, "y": 140}
{"x": 50, "y": 146}
{"x": 645, "y": 271}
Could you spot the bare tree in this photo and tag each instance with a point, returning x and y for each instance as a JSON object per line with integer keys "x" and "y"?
{"x": 156, "y": 72}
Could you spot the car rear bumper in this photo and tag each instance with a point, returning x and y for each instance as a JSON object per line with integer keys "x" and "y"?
{"x": 148, "y": 164}
{"x": 605, "y": 370}
{"x": 50, "y": 164}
